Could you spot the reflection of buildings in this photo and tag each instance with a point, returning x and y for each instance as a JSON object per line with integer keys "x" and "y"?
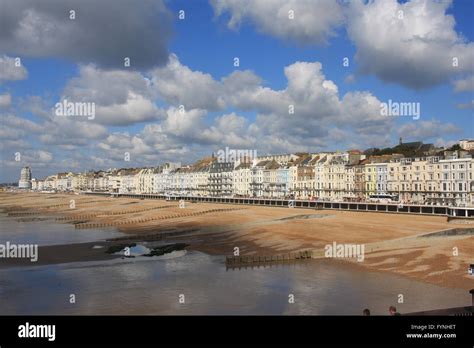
{"x": 25, "y": 178}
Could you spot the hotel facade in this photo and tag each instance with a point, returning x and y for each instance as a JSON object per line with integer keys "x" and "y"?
{"x": 446, "y": 180}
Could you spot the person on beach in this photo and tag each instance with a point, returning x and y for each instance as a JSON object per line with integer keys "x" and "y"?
{"x": 366, "y": 312}
{"x": 393, "y": 311}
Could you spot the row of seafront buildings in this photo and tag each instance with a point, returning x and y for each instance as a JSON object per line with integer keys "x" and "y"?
{"x": 446, "y": 178}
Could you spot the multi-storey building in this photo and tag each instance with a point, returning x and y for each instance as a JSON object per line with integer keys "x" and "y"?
{"x": 281, "y": 159}
{"x": 241, "y": 179}
{"x": 370, "y": 179}
{"x": 350, "y": 193}
{"x": 201, "y": 177}
{"x": 101, "y": 179}
{"x": 359, "y": 180}
{"x": 431, "y": 180}
{"x": 164, "y": 178}
{"x": 418, "y": 177}
{"x": 271, "y": 188}
{"x": 283, "y": 181}
{"x": 50, "y": 183}
{"x": 381, "y": 178}
{"x": 145, "y": 180}
{"x": 303, "y": 176}
{"x": 220, "y": 178}
{"x": 456, "y": 180}
{"x": 25, "y": 178}
{"x": 466, "y": 144}
{"x": 130, "y": 181}
{"x": 332, "y": 175}
{"x": 319, "y": 185}
{"x": 393, "y": 178}
{"x": 37, "y": 185}
{"x": 441, "y": 179}
{"x": 182, "y": 183}
{"x": 335, "y": 172}
{"x": 256, "y": 184}
{"x": 64, "y": 181}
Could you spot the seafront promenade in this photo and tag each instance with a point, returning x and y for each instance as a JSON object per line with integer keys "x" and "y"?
{"x": 452, "y": 212}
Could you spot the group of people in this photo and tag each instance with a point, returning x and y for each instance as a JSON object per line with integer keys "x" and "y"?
{"x": 391, "y": 310}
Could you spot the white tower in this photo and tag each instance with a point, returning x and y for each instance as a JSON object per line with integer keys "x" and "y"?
{"x": 25, "y": 178}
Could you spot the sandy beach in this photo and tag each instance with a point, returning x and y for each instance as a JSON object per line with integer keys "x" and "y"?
{"x": 407, "y": 245}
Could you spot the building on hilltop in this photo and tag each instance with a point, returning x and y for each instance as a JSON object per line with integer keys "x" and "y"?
{"x": 467, "y": 145}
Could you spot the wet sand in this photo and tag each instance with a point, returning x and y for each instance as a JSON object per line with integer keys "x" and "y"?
{"x": 393, "y": 243}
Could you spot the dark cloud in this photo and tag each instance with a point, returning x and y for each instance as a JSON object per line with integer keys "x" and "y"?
{"x": 104, "y": 32}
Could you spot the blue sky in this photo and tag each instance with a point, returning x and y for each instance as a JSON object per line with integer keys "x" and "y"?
{"x": 204, "y": 43}
{"x": 190, "y": 62}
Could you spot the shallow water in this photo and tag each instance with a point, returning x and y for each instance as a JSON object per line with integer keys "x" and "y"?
{"x": 48, "y": 232}
{"x": 153, "y": 285}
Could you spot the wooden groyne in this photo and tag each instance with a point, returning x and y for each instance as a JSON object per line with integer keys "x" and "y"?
{"x": 148, "y": 219}
{"x": 154, "y": 236}
{"x": 24, "y": 213}
{"x": 121, "y": 212}
{"x": 255, "y": 260}
{"x": 76, "y": 202}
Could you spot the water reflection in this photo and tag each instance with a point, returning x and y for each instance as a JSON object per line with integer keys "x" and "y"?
{"x": 153, "y": 285}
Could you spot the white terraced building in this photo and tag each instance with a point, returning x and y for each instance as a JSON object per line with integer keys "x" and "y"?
{"x": 241, "y": 179}
{"x": 456, "y": 182}
{"x": 220, "y": 179}
{"x": 444, "y": 179}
